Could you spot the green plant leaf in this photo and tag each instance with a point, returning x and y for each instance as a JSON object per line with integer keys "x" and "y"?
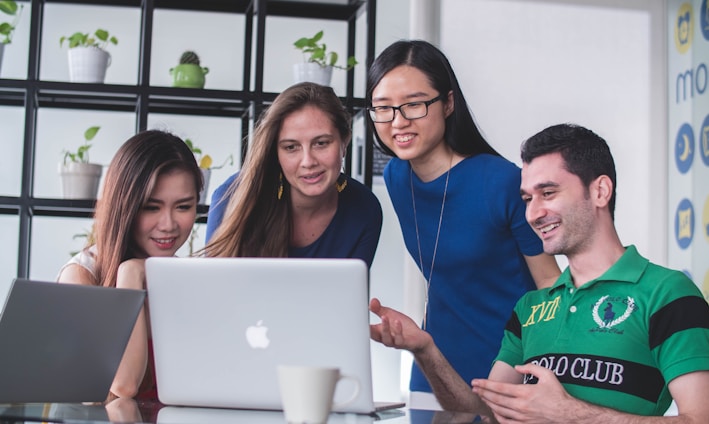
{"x": 333, "y": 59}
{"x": 101, "y": 34}
{"x": 100, "y": 38}
{"x": 317, "y": 36}
{"x": 5, "y": 28}
{"x": 83, "y": 152}
{"x": 302, "y": 43}
{"x": 90, "y": 133}
{"x": 8, "y": 7}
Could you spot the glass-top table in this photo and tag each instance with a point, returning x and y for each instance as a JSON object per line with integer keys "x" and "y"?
{"x": 131, "y": 411}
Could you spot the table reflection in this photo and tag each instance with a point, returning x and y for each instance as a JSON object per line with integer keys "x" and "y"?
{"x": 130, "y": 411}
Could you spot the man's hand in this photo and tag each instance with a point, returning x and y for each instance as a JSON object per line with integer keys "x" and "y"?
{"x": 545, "y": 402}
{"x": 397, "y": 330}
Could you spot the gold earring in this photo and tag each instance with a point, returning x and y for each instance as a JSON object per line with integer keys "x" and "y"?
{"x": 280, "y": 185}
{"x": 341, "y": 183}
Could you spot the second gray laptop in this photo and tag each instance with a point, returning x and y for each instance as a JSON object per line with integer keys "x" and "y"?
{"x": 221, "y": 326}
{"x": 63, "y": 342}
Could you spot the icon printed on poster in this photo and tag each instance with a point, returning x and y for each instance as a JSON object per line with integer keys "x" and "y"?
{"x": 684, "y": 223}
{"x": 684, "y": 148}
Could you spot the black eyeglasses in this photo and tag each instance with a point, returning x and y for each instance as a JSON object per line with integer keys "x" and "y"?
{"x": 411, "y": 110}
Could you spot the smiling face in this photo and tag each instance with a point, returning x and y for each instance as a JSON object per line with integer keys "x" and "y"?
{"x": 559, "y": 207}
{"x": 417, "y": 139}
{"x": 310, "y": 152}
{"x": 165, "y": 221}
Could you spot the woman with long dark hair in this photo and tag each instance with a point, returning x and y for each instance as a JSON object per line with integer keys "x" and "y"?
{"x": 147, "y": 208}
{"x": 458, "y": 205}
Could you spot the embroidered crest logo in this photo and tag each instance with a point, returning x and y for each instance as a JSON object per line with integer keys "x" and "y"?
{"x": 610, "y": 307}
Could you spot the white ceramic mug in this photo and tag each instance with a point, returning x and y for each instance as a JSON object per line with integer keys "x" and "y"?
{"x": 307, "y": 392}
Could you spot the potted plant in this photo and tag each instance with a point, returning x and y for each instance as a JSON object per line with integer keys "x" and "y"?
{"x": 205, "y": 164}
{"x": 188, "y": 73}
{"x": 88, "y": 58}
{"x": 89, "y": 237}
{"x": 319, "y": 62}
{"x": 80, "y": 178}
{"x": 10, "y": 8}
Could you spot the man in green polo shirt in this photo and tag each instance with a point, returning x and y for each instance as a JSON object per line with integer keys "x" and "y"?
{"x": 614, "y": 340}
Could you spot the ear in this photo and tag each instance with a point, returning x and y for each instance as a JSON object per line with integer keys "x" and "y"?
{"x": 449, "y": 105}
{"x": 343, "y": 148}
{"x": 601, "y": 191}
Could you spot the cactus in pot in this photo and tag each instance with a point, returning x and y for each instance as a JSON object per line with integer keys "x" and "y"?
{"x": 188, "y": 73}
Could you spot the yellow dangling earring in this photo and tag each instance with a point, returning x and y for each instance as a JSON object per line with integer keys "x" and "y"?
{"x": 341, "y": 183}
{"x": 280, "y": 185}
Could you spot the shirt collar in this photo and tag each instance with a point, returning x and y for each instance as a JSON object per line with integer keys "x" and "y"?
{"x": 628, "y": 268}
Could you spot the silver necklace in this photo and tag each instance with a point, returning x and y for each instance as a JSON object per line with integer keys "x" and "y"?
{"x": 418, "y": 239}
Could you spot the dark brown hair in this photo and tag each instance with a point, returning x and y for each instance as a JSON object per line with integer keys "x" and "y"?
{"x": 129, "y": 181}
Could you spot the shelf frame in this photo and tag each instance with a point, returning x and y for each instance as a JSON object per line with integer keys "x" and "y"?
{"x": 142, "y": 99}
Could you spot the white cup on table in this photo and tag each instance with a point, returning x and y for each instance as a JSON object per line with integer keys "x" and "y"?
{"x": 307, "y": 392}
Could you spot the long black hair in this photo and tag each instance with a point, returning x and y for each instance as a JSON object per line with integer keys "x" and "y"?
{"x": 461, "y": 133}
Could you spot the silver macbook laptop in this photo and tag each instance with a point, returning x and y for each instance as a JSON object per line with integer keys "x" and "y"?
{"x": 63, "y": 342}
{"x": 221, "y": 326}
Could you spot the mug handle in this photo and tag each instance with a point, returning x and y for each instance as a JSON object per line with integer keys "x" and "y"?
{"x": 354, "y": 395}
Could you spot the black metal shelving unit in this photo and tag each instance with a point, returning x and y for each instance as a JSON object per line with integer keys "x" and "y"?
{"x": 143, "y": 99}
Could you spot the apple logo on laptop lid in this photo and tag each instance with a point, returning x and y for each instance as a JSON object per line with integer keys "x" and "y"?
{"x": 256, "y": 336}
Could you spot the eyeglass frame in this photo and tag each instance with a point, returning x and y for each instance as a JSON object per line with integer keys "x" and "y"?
{"x": 427, "y": 103}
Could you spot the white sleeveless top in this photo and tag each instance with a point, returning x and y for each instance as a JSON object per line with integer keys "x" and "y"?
{"x": 86, "y": 258}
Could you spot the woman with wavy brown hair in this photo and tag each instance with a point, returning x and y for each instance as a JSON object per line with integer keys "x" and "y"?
{"x": 290, "y": 198}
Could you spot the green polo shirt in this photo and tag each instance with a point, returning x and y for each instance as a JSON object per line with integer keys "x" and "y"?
{"x": 617, "y": 340}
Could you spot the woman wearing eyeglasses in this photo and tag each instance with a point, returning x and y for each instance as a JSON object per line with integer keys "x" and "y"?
{"x": 459, "y": 208}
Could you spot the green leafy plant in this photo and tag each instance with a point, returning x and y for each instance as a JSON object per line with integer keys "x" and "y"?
{"x": 81, "y": 155}
{"x": 9, "y": 7}
{"x": 89, "y": 237}
{"x": 316, "y": 52}
{"x": 205, "y": 161}
{"x": 100, "y": 39}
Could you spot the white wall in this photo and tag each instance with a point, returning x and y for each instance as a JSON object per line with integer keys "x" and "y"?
{"x": 525, "y": 65}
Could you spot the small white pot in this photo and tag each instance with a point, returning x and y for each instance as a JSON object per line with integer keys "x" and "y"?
{"x": 206, "y": 174}
{"x": 80, "y": 180}
{"x": 312, "y": 72}
{"x": 88, "y": 64}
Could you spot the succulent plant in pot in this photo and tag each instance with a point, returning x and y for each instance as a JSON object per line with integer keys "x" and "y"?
{"x": 88, "y": 57}
{"x": 188, "y": 73}
{"x": 319, "y": 62}
{"x": 80, "y": 178}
